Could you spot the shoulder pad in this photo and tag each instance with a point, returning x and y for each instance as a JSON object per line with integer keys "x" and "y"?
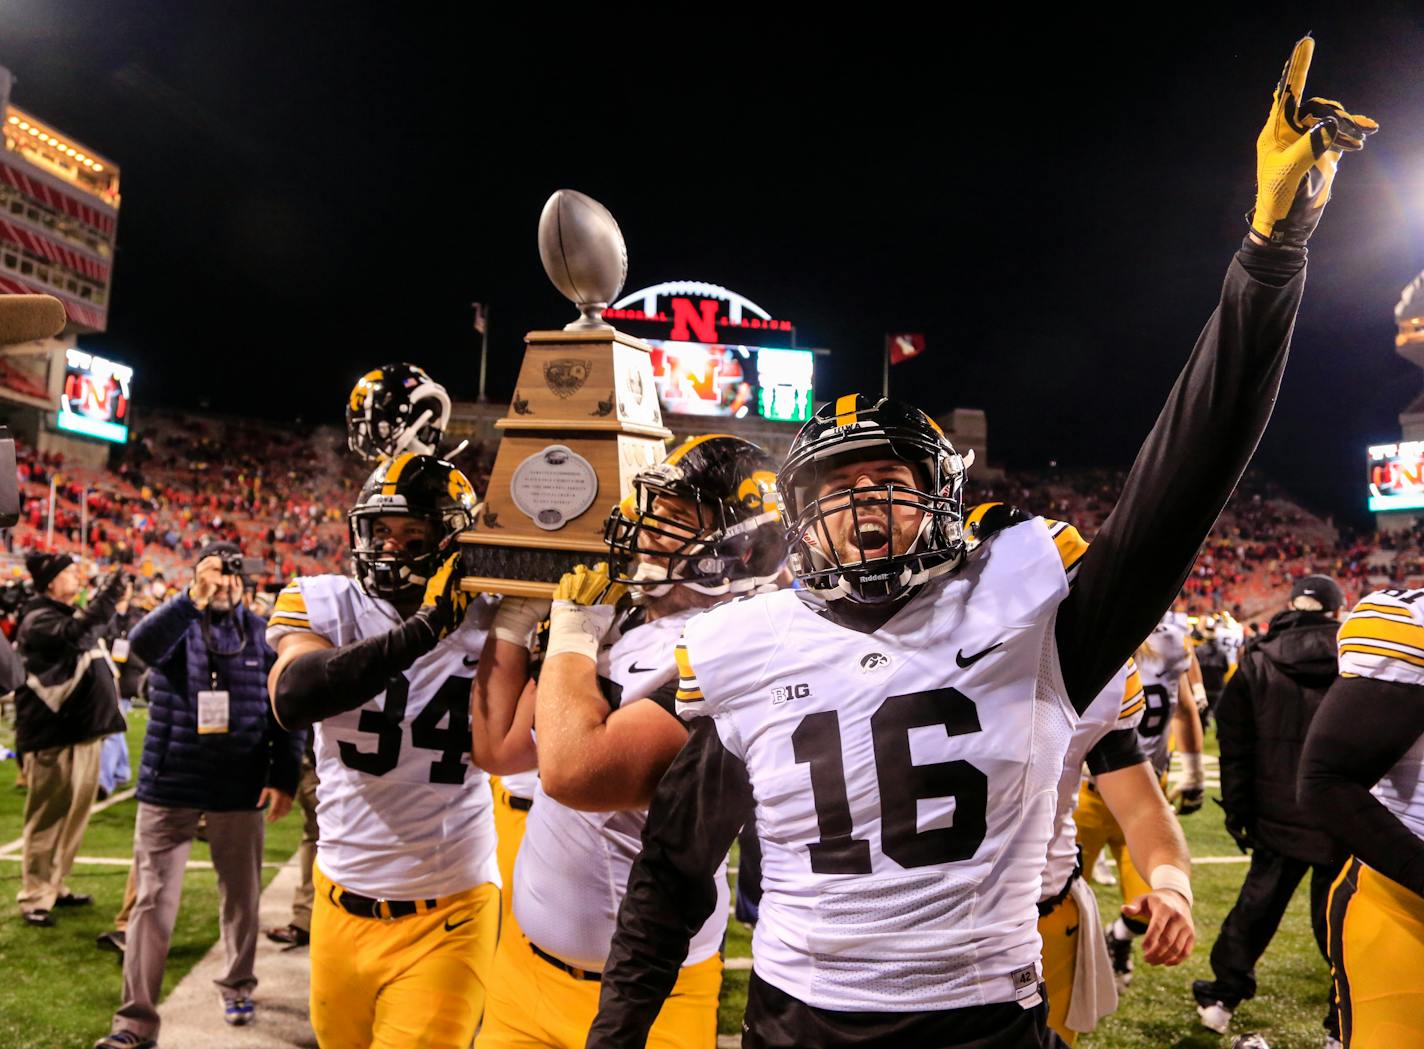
{"x": 988, "y": 518}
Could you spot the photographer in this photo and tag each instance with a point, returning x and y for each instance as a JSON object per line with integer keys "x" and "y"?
{"x": 212, "y": 748}
{"x": 66, "y": 705}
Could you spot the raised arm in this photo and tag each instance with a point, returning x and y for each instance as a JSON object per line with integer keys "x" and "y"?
{"x": 502, "y": 694}
{"x": 1215, "y": 414}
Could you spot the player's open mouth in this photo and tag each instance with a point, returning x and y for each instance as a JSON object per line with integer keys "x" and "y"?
{"x": 874, "y": 540}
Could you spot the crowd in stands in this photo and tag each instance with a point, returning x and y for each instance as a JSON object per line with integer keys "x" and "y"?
{"x": 1262, "y": 542}
{"x": 282, "y": 492}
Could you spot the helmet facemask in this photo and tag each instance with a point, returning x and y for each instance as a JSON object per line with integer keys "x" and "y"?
{"x": 714, "y": 547}
{"x": 875, "y": 565}
{"x": 392, "y": 559}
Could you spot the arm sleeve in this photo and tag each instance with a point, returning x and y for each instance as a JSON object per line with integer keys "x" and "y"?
{"x": 317, "y": 685}
{"x": 1363, "y": 727}
{"x": 1185, "y": 471}
{"x": 695, "y": 814}
{"x": 1236, "y": 732}
{"x": 1119, "y": 749}
{"x": 157, "y": 634}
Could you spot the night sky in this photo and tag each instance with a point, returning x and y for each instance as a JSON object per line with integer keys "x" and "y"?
{"x": 310, "y": 190}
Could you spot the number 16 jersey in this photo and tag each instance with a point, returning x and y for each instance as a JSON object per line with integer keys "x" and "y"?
{"x": 905, "y": 780}
{"x": 402, "y": 812}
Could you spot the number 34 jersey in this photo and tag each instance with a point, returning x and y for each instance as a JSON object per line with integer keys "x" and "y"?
{"x": 905, "y": 780}
{"x": 402, "y": 812}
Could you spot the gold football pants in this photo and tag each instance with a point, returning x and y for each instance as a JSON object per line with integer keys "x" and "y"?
{"x": 1376, "y": 929}
{"x": 418, "y": 982}
{"x": 533, "y": 1004}
{"x": 1097, "y": 827}
{"x": 1059, "y": 930}
{"x": 509, "y": 830}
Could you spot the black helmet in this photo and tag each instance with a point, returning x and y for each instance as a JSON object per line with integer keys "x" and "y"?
{"x": 855, "y": 428}
{"x": 420, "y": 486}
{"x": 736, "y": 544}
{"x": 396, "y": 408}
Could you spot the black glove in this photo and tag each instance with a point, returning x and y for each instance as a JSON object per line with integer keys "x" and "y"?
{"x": 1238, "y": 828}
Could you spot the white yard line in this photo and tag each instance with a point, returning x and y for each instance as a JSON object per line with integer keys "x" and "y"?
{"x": 107, "y": 803}
{"x": 125, "y": 861}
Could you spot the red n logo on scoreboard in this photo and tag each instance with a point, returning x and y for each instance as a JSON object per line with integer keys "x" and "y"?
{"x": 702, "y": 321}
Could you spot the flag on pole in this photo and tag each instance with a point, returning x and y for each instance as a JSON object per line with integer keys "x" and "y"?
{"x": 479, "y": 317}
{"x": 904, "y": 347}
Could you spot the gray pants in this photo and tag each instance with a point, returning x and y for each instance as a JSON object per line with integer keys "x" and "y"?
{"x": 163, "y": 839}
{"x": 306, "y": 852}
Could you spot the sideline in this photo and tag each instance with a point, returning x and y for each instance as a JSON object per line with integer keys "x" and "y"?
{"x": 107, "y": 803}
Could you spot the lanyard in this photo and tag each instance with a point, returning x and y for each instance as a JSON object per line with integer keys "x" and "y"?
{"x": 214, "y": 653}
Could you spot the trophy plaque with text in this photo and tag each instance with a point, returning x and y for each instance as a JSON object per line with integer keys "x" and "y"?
{"x": 584, "y": 419}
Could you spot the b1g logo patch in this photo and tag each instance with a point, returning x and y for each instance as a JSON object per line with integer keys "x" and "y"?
{"x": 785, "y": 694}
{"x": 873, "y": 661}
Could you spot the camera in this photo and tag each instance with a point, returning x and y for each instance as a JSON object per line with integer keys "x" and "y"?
{"x": 232, "y": 563}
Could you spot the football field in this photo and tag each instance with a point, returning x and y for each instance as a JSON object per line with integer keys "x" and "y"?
{"x": 61, "y": 990}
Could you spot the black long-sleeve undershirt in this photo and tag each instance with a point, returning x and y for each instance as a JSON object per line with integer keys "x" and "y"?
{"x": 1363, "y": 727}
{"x": 1184, "y": 473}
{"x": 1183, "y": 476}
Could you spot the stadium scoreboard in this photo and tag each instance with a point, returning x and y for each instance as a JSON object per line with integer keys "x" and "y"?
{"x": 1396, "y": 476}
{"x": 95, "y": 398}
{"x": 717, "y": 353}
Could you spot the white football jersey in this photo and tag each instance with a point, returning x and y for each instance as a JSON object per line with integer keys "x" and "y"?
{"x": 401, "y": 811}
{"x": 1118, "y": 706}
{"x": 1383, "y": 638}
{"x": 572, "y": 869}
{"x": 905, "y": 780}
{"x": 521, "y": 784}
{"x": 1162, "y": 660}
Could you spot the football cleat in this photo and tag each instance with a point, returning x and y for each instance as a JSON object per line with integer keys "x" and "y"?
{"x": 726, "y": 537}
{"x": 1252, "y": 1041}
{"x": 856, "y": 428}
{"x": 421, "y": 487}
{"x": 1120, "y": 951}
{"x": 393, "y": 409}
{"x": 1215, "y": 1013}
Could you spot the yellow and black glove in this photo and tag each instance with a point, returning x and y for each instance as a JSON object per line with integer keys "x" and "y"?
{"x": 445, "y": 604}
{"x": 1297, "y": 153}
{"x": 584, "y": 605}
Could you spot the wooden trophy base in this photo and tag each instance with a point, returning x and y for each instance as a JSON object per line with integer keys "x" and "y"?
{"x": 584, "y": 420}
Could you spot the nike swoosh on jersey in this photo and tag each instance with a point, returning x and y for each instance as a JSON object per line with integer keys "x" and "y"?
{"x": 968, "y": 661}
{"x": 452, "y": 928}
{"x": 470, "y": 661}
{"x": 1071, "y": 930}
{"x": 635, "y": 669}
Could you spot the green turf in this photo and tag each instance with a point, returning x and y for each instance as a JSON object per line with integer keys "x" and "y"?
{"x": 60, "y": 990}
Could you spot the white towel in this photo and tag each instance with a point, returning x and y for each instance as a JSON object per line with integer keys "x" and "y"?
{"x": 1094, "y": 991}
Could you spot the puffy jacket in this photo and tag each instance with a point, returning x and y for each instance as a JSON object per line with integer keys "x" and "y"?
{"x": 78, "y": 696}
{"x": 131, "y": 669}
{"x": 213, "y": 771}
{"x": 1262, "y": 720}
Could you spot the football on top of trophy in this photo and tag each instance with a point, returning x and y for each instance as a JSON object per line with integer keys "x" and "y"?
{"x": 583, "y": 253}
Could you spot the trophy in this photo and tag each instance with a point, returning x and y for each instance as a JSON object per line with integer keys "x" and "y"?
{"x": 583, "y": 421}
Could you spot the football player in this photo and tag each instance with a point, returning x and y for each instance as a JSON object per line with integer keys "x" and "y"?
{"x": 407, "y": 888}
{"x": 900, "y": 723}
{"x": 698, "y": 529}
{"x": 1362, "y": 779}
{"x": 1164, "y": 660}
{"x": 1076, "y": 965}
{"x": 393, "y": 409}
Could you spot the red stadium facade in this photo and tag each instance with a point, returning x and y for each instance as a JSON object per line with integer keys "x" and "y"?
{"x": 59, "y": 217}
